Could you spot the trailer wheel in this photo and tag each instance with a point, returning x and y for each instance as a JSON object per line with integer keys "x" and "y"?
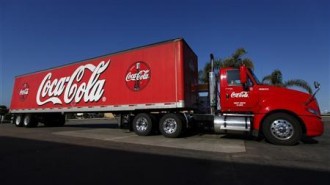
{"x": 171, "y": 125}
{"x": 142, "y": 124}
{"x": 30, "y": 121}
{"x": 282, "y": 129}
{"x": 19, "y": 120}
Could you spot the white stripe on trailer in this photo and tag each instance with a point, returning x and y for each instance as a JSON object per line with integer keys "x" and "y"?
{"x": 131, "y": 107}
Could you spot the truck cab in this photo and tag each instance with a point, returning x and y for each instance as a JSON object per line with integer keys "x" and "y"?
{"x": 282, "y": 115}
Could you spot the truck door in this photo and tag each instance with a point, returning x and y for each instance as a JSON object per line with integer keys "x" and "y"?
{"x": 234, "y": 97}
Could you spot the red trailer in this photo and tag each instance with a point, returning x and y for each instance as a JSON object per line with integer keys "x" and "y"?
{"x": 155, "y": 87}
{"x": 149, "y": 77}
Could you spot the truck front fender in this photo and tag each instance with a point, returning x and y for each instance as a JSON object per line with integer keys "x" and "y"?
{"x": 266, "y": 109}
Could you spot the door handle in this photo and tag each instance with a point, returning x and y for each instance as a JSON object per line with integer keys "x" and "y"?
{"x": 227, "y": 96}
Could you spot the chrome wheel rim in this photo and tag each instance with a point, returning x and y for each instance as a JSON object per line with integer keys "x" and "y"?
{"x": 170, "y": 126}
{"x": 27, "y": 120}
{"x": 142, "y": 124}
{"x": 282, "y": 129}
{"x": 18, "y": 120}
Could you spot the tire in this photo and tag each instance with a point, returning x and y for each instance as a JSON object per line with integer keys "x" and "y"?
{"x": 171, "y": 125}
{"x": 282, "y": 129}
{"x": 19, "y": 120}
{"x": 30, "y": 121}
{"x": 142, "y": 124}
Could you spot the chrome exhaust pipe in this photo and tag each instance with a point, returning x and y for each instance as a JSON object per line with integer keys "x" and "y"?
{"x": 212, "y": 87}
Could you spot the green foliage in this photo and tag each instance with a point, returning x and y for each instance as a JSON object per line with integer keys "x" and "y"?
{"x": 276, "y": 78}
{"x": 203, "y": 74}
{"x": 234, "y": 61}
{"x": 3, "y": 110}
{"x": 299, "y": 83}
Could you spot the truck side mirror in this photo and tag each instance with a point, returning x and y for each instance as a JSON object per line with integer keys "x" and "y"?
{"x": 316, "y": 85}
{"x": 243, "y": 74}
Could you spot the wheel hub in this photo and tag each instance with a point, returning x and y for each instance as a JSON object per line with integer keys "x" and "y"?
{"x": 170, "y": 126}
{"x": 142, "y": 124}
{"x": 282, "y": 129}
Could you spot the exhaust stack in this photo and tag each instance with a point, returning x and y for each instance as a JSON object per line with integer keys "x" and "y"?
{"x": 212, "y": 87}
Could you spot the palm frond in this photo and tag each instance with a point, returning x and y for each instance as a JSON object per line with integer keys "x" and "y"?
{"x": 217, "y": 64}
{"x": 238, "y": 53}
{"x": 203, "y": 75}
{"x": 234, "y": 61}
{"x": 299, "y": 83}
{"x": 267, "y": 79}
{"x": 248, "y": 63}
{"x": 277, "y": 78}
{"x": 228, "y": 62}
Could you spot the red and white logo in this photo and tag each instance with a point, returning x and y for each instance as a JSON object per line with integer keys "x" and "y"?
{"x": 138, "y": 76}
{"x": 242, "y": 94}
{"x": 73, "y": 88}
{"x": 24, "y": 92}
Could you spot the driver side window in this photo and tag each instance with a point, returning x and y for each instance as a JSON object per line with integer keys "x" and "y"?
{"x": 233, "y": 78}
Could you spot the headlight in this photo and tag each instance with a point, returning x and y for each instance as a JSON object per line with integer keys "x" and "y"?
{"x": 313, "y": 111}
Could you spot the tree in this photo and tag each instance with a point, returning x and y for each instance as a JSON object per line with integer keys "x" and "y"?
{"x": 204, "y": 74}
{"x": 3, "y": 110}
{"x": 235, "y": 60}
{"x": 275, "y": 78}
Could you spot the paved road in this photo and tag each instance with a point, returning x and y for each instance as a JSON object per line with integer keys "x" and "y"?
{"x": 94, "y": 152}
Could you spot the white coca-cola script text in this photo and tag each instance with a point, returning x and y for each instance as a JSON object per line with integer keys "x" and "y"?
{"x": 23, "y": 92}
{"x": 72, "y": 86}
{"x": 242, "y": 94}
{"x": 141, "y": 75}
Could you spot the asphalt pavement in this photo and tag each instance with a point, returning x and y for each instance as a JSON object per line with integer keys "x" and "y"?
{"x": 96, "y": 152}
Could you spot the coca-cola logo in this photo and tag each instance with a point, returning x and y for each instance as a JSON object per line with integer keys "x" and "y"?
{"x": 24, "y": 92}
{"x": 72, "y": 87}
{"x": 242, "y": 94}
{"x": 138, "y": 76}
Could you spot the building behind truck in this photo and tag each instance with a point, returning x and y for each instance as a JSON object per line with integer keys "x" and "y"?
{"x": 155, "y": 87}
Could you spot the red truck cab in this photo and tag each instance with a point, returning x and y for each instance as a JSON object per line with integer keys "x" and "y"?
{"x": 283, "y": 115}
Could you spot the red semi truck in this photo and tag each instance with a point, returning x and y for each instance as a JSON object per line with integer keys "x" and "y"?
{"x": 155, "y": 87}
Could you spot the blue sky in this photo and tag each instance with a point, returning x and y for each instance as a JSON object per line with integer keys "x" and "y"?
{"x": 293, "y": 36}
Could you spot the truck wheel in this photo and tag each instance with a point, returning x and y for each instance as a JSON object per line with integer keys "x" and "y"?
{"x": 30, "y": 121}
{"x": 171, "y": 125}
{"x": 142, "y": 124}
{"x": 19, "y": 120}
{"x": 282, "y": 129}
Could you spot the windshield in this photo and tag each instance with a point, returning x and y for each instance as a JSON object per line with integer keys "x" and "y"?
{"x": 254, "y": 76}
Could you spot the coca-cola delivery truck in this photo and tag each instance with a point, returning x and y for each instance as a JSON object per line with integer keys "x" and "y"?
{"x": 155, "y": 87}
